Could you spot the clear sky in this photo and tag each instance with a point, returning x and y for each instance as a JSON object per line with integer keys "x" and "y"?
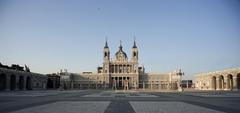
{"x": 49, "y": 35}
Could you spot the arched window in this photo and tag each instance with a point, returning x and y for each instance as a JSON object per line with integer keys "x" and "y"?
{"x": 105, "y": 54}
{"x": 134, "y": 54}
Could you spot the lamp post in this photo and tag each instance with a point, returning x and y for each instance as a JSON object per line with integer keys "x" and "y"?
{"x": 180, "y": 74}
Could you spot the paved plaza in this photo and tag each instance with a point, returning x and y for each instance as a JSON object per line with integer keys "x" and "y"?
{"x": 98, "y": 101}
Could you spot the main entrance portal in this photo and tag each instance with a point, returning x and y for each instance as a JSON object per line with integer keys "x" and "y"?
{"x": 120, "y": 82}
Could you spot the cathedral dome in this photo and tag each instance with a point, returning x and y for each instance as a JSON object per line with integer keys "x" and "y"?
{"x": 120, "y": 54}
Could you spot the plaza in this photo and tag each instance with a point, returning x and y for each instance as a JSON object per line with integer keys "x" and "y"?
{"x": 125, "y": 56}
{"x": 119, "y": 101}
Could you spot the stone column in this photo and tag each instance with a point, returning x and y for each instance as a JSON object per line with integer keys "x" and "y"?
{"x": 222, "y": 83}
{"x": 117, "y": 69}
{"x": 213, "y": 84}
{"x": 113, "y": 67}
{"x": 143, "y": 85}
{"x": 210, "y": 84}
{"x": 125, "y": 69}
{"x": 130, "y": 68}
{"x": 132, "y": 83}
{"x": 122, "y": 82}
{"x": 218, "y": 83}
{"x": 227, "y": 82}
{"x": 235, "y": 83}
{"x": 151, "y": 84}
{"x": 129, "y": 82}
{"x": 117, "y": 81}
{"x": 121, "y": 68}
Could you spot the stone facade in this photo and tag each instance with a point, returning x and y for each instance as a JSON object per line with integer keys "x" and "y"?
{"x": 21, "y": 80}
{"x": 53, "y": 81}
{"x": 228, "y": 79}
{"x": 121, "y": 71}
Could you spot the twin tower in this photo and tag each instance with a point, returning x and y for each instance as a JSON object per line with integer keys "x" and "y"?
{"x": 120, "y": 55}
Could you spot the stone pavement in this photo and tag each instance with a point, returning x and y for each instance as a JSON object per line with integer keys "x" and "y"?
{"x": 35, "y": 93}
{"x": 97, "y": 101}
{"x": 169, "y": 107}
{"x": 68, "y": 107}
{"x": 215, "y": 94}
{"x": 120, "y": 94}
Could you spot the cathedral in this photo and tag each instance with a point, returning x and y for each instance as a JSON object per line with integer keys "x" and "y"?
{"x": 121, "y": 71}
{"x": 121, "y": 68}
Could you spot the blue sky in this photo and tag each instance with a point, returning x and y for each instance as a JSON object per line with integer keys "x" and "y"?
{"x": 49, "y": 35}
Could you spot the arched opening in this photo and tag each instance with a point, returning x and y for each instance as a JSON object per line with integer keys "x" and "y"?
{"x": 214, "y": 83}
{"x": 221, "y": 82}
{"x": 21, "y": 83}
{"x": 3, "y": 80}
{"x": 12, "y": 82}
{"x": 50, "y": 83}
{"x": 28, "y": 83}
{"x": 238, "y": 80}
{"x": 229, "y": 81}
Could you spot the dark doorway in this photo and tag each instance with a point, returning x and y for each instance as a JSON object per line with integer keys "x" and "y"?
{"x": 3, "y": 79}
{"x": 28, "y": 83}
{"x": 238, "y": 81}
{"x": 120, "y": 86}
{"x": 21, "y": 83}
{"x": 13, "y": 82}
{"x": 214, "y": 83}
{"x": 49, "y": 83}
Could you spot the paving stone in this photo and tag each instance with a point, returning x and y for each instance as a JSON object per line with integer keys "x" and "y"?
{"x": 35, "y": 93}
{"x": 169, "y": 107}
{"x": 120, "y": 94}
{"x": 119, "y": 106}
{"x": 68, "y": 107}
{"x": 213, "y": 94}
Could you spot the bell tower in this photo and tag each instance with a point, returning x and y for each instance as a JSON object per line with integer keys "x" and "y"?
{"x": 106, "y": 53}
{"x": 134, "y": 52}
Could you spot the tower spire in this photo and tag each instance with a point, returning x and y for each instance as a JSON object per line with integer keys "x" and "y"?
{"x": 120, "y": 44}
{"x": 106, "y": 43}
{"x": 134, "y": 43}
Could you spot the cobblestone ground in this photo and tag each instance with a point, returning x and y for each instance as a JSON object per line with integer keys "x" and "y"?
{"x": 97, "y": 101}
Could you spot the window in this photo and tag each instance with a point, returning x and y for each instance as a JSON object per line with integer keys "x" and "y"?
{"x": 105, "y": 54}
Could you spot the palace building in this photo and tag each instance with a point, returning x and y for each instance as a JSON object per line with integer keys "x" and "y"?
{"x": 121, "y": 71}
{"x": 227, "y": 79}
{"x": 16, "y": 78}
